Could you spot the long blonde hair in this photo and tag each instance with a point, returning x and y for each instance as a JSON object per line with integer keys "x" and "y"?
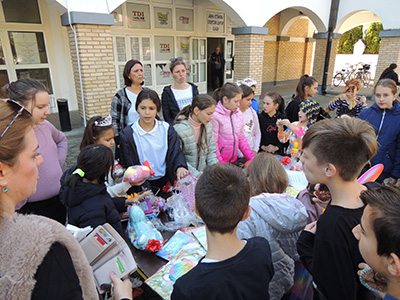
{"x": 351, "y": 84}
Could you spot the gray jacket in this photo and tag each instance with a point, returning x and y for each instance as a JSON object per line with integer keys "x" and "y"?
{"x": 278, "y": 218}
{"x": 196, "y": 161}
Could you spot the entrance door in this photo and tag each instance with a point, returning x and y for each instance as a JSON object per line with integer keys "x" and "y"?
{"x": 213, "y": 43}
{"x": 198, "y": 62}
{"x": 229, "y": 60}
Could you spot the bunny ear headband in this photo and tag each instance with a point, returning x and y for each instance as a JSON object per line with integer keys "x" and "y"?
{"x": 107, "y": 121}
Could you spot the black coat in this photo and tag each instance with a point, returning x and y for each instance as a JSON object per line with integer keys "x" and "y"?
{"x": 269, "y": 129}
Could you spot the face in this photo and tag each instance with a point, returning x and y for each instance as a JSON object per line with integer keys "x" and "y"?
{"x": 147, "y": 110}
{"x": 302, "y": 117}
{"x": 269, "y": 106}
{"x": 246, "y": 102}
{"x": 41, "y": 109}
{"x": 136, "y": 74}
{"x": 384, "y": 97}
{"x": 107, "y": 138}
{"x": 313, "y": 170}
{"x": 24, "y": 170}
{"x": 232, "y": 104}
{"x": 351, "y": 93}
{"x": 311, "y": 90}
{"x": 204, "y": 116}
{"x": 179, "y": 74}
{"x": 367, "y": 242}
{"x": 217, "y": 50}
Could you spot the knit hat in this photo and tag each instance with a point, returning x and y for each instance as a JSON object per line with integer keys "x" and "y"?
{"x": 311, "y": 110}
{"x": 247, "y": 81}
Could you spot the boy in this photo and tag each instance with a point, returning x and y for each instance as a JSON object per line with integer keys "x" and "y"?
{"x": 379, "y": 236}
{"x": 334, "y": 152}
{"x": 232, "y": 268}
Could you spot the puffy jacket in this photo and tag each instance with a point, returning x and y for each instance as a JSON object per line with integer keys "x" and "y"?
{"x": 278, "y": 218}
{"x": 386, "y": 123}
{"x": 229, "y": 134}
{"x": 196, "y": 160}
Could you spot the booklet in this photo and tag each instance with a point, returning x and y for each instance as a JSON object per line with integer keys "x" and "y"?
{"x": 172, "y": 247}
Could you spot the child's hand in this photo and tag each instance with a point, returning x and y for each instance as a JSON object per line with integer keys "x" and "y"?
{"x": 121, "y": 289}
{"x": 284, "y": 122}
{"x": 181, "y": 172}
{"x": 144, "y": 194}
{"x": 363, "y": 100}
{"x": 312, "y": 227}
{"x": 270, "y": 148}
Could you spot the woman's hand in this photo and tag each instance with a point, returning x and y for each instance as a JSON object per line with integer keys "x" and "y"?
{"x": 181, "y": 172}
{"x": 121, "y": 289}
{"x": 312, "y": 227}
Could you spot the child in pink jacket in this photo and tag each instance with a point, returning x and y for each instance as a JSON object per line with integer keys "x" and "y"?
{"x": 227, "y": 124}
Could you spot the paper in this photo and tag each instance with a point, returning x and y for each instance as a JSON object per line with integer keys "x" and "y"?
{"x": 297, "y": 179}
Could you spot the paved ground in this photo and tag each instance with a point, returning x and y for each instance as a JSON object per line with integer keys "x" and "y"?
{"x": 75, "y": 135}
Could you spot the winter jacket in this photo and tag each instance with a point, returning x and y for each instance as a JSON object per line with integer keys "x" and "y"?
{"x": 386, "y": 123}
{"x": 229, "y": 134}
{"x": 174, "y": 159}
{"x": 90, "y": 204}
{"x": 269, "y": 129}
{"x": 196, "y": 160}
{"x": 391, "y": 75}
{"x": 170, "y": 107}
{"x": 278, "y": 218}
{"x": 251, "y": 128}
{"x": 26, "y": 242}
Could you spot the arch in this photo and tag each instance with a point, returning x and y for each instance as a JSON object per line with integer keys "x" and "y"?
{"x": 290, "y": 15}
{"x": 355, "y": 19}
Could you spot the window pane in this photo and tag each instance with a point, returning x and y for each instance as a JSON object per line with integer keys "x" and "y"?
{"x": 21, "y": 11}
{"x": 163, "y": 74}
{"x": 202, "y": 71}
{"x": 146, "y": 49}
{"x": 42, "y": 75}
{"x": 27, "y": 47}
{"x": 121, "y": 53}
{"x": 3, "y": 80}
{"x": 228, "y": 71}
{"x": 121, "y": 76}
{"x": 195, "y": 74}
{"x": 195, "y": 49}
{"x": 135, "y": 48}
{"x": 147, "y": 75}
{"x": 184, "y": 48}
{"x": 2, "y": 58}
{"x": 202, "y": 49}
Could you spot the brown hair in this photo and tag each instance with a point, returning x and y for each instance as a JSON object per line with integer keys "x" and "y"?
{"x": 304, "y": 81}
{"x": 93, "y": 132}
{"x": 277, "y": 99}
{"x": 246, "y": 90}
{"x": 228, "y": 90}
{"x": 385, "y": 216}
{"x": 351, "y": 85}
{"x": 12, "y": 143}
{"x": 347, "y": 143}
{"x": 202, "y": 102}
{"x": 266, "y": 175}
{"x": 222, "y": 197}
{"x": 127, "y": 70}
{"x": 388, "y": 83}
{"x": 175, "y": 63}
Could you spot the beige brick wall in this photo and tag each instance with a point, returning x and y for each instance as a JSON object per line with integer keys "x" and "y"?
{"x": 389, "y": 52}
{"x": 97, "y": 68}
{"x": 270, "y": 61}
{"x": 273, "y": 25}
{"x": 319, "y": 60}
{"x": 249, "y": 50}
{"x": 299, "y": 28}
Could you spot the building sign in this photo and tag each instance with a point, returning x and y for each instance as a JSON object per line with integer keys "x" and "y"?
{"x": 215, "y": 22}
{"x": 184, "y": 19}
{"x": 164, "y": 47}
{"x": 163, "y": 17}
{"x": 138, "y": 15}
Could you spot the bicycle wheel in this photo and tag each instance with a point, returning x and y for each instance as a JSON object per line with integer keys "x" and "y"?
{"x": 337, "y": 79}
{"x": 367, "y": 79}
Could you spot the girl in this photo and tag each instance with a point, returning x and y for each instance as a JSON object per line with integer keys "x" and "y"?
{"x": 250, "y": 119}
{"x": 53, "y": 147}
{"x": 275, "y": 216}
{"x": 384, "y": 116}
{"x": 85, "y": 193}
{"x": 153, "y": 140}
{"x": 274, "y": 110}
{"x": 308, "y": 115}
{"x": 307, "y": 87}
{"x": 195, "y": 132}
{"x": 390, "y": 73}
{"x": 348, "y": 103}
{"x": 177, "y": 96}
{"x": 228, "y": 124}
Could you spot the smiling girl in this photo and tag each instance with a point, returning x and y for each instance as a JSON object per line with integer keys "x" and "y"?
{"x": 384, "y": 116}
{"x": 175, "y": 97}
{"x": 53, "y": 148}
{"x": 153, "y": 140}
{"x": 196, "y": 133}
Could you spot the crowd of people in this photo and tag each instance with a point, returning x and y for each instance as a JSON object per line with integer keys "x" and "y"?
{"x": 262, "y": 242}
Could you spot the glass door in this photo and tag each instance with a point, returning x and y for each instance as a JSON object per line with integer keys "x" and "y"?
{"x": 198, "y": 63}
{"x": 229, "y": 60}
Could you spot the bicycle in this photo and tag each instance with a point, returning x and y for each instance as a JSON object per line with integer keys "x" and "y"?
{"x": 364, "y": 75}
{"x": 344, "y": 75}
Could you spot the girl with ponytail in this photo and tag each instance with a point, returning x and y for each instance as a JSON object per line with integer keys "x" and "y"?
{"x": 196, "y": 133}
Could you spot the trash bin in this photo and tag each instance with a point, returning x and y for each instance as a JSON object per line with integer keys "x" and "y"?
{"x": 63, "y": 113}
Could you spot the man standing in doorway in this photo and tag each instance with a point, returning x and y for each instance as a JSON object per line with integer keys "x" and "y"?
{"x": 217, "y": 62}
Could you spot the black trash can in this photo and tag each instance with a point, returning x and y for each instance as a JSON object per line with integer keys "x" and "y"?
{"x": 63, "y": 113}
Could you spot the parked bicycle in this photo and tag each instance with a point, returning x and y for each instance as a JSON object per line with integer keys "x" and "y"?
{"x": 364, "y": 74}
{"x": 344, "y": 75}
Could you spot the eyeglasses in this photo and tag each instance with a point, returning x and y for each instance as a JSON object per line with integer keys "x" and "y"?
{"x": 20, "y": 110}
{"x": 180, "y": 58}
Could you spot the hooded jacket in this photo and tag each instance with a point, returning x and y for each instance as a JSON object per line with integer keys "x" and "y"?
{"x": 386, "y": 123}
{"x": 278, "y": 218}
{"x": 229, "y": 134}
{"x": 90, "y": 204}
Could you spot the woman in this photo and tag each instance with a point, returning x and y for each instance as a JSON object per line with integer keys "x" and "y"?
{"x": 389, "y": 73}
{"x": 39, "y": 258}
{"x": 123, "y": 112}
{"x": 175, "y": 97}
{"x": 53, "y": 148}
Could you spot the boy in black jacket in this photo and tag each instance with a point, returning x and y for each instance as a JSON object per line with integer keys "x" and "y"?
{"x": 334, "y": 152}
{"x": 232, "y": 268}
